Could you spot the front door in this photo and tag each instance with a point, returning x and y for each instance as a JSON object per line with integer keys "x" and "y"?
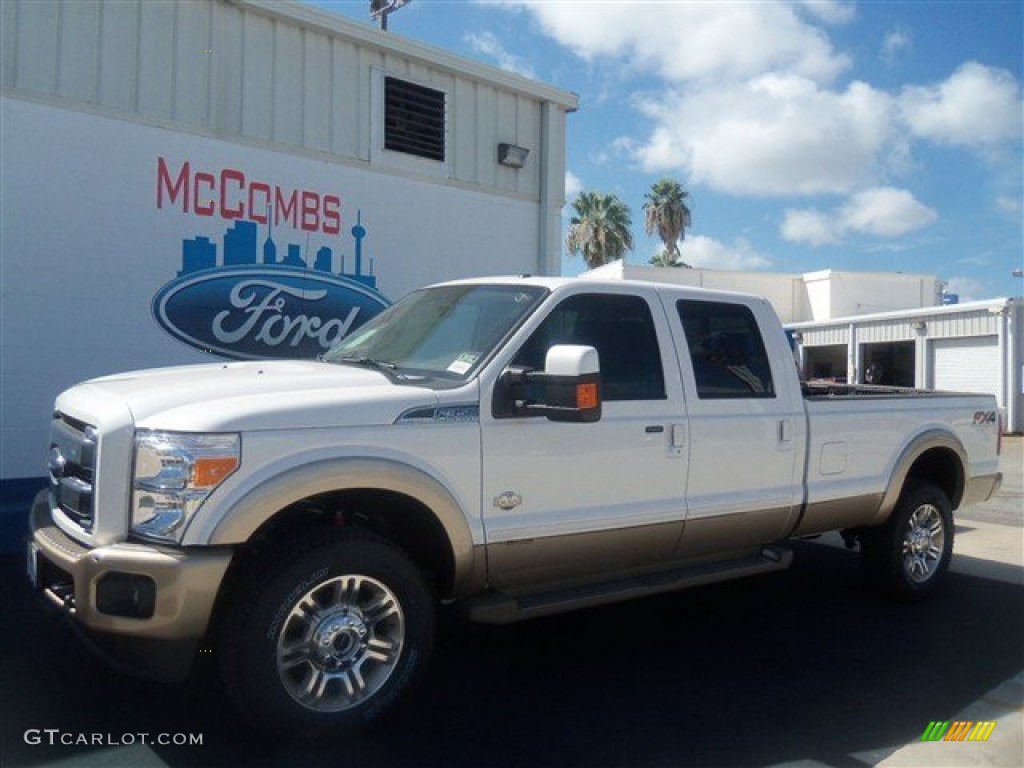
{"x": 565, "y": 503}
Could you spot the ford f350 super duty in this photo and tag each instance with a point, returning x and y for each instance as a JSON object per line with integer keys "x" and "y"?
{"x": 516, "y": 446}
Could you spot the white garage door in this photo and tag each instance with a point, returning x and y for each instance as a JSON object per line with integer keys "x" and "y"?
{"x": 966, "y": 365}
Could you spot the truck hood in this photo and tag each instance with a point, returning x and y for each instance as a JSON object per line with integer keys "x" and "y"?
{"x": 247, "y": 396}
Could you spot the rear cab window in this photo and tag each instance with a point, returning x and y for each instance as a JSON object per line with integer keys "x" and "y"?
{"x": 726, "y": 350}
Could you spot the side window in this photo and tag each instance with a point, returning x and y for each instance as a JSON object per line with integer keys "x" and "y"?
{"x": 728, "y": 355}
{"x": 622, "y": 331}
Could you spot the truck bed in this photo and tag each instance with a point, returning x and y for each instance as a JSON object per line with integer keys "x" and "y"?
{"x": 818, "y": 390}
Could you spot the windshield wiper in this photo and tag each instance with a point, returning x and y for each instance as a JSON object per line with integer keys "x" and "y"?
{"x": 381, "y": 365}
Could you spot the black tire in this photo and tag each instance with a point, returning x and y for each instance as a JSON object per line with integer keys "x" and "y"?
{"x": 329, "y": 635}
{"x": 907, "y": 558}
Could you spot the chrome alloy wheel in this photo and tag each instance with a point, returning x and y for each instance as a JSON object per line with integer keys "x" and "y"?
{"x": 340, "y": 643}
{"x": 923, "y": 543}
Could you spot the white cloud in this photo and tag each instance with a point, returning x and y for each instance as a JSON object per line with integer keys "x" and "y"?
{"x": 774, "y": 135}
{"x": 622, "y": 148}
{"x": 573, "y": 185}
{"x": 810, "y": 227}
{"x": 978, "y": 260}
{"x": 895, "y": 43}
{"x": 688, "y": 41}
{"x": 830, "y": 11}
{"x": 486, "y": 44}
{"x": 706, "y": 252}
{"x": 967, "y": 288}
{"x": 746, "y": 105}
{"x": 976, "y": 107}
{"x": 780, "y": 134}
{"x": 1007, "y": 204}
{"x": 881, "y": 212}
{"x": 885, "y": 212}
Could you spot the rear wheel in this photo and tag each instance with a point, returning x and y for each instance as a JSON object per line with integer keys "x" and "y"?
{"x": 330, "y": 636}
{"x": 908, "y": 557}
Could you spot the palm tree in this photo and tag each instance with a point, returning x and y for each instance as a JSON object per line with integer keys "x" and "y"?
{"x": 666, "y": 213}
{"x": 600, "y": 229}
{"x": 663, "y": 259}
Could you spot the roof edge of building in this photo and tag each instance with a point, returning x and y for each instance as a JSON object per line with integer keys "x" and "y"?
{"x": 903, "y": 314}
{"x": 305, "y": 15}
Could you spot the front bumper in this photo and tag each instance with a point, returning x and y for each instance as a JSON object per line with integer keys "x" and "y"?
{"x": 100, "y": 590}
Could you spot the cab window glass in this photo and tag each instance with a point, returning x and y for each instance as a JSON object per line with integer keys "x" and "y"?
{"x": 622, "y": 331}
{"x": 726, "y": 349}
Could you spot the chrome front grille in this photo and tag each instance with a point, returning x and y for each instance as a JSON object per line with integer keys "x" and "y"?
{"x": 72, "y": 466}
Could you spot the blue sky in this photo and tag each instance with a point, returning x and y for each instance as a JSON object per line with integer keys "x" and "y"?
{"x": 866, "y": 136}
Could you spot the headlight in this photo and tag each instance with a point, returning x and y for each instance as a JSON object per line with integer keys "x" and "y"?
{"x": 174, "y": 475}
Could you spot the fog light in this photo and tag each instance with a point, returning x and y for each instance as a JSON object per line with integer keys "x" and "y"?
{"x": 126, "y": 594}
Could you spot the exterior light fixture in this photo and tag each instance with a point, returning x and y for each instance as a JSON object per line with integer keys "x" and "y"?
{"x": 918, "y": 325}
{"x": 381, "y": 9}
{"x": 512, "y": 156}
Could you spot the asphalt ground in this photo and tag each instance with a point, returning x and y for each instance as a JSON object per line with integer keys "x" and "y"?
{"x": 804, "y": 667}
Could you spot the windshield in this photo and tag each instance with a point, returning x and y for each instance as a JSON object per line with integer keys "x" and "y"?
{"x": 446, "y": 332}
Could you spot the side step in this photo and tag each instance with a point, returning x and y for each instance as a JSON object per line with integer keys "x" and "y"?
{"x": 497, "y": 608}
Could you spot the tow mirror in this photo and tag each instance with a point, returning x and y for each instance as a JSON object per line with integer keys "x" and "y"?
{"x": 568, "y": 389}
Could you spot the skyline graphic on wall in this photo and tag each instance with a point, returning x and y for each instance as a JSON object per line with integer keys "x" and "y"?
{"x": 241, "y": 248}
{"x": 251, "y": 305}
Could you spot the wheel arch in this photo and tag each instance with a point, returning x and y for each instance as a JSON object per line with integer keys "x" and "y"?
{"x": 935, "y": 457}
{"x": 394, "y": 500}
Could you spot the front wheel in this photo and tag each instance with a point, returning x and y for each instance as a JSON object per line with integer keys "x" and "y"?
{"x": 330, "y": 636}
{"x": 907, "y": 558}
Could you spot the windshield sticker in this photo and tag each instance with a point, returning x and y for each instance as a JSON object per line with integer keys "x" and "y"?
{"x": 463, "y": 363}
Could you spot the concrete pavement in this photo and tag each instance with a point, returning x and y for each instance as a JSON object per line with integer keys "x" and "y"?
{"x": 993, "y": 551}
{"x": 990, "y": 550}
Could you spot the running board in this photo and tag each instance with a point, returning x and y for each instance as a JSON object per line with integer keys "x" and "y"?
{"x": 497, "y": 608}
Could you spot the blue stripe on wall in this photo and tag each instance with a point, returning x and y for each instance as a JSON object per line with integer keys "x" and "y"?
{"x": 15, "y": 500}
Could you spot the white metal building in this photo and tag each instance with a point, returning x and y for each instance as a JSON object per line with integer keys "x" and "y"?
{"x": 972, "y": 347}
{"x": 244, "y": 178}
{"x": 890, "y": 328}
{"x": 798, "y": 297}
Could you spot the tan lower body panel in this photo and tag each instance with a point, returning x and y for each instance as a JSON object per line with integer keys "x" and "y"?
{"x": 557, "y": 561}
{"x": 838, "y": 514}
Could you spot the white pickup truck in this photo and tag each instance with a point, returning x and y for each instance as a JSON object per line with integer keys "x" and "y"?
{"x": 518, "y": 446}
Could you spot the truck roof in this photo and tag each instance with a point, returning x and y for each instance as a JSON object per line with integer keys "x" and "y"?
{"x": 554, "y": 283}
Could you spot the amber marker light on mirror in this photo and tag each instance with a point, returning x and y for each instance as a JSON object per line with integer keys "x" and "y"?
{"x": 586, "y": 396}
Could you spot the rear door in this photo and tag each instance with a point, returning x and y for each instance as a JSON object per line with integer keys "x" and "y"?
{"x": 746, "y": 426}
{"x": 565, "y": 502}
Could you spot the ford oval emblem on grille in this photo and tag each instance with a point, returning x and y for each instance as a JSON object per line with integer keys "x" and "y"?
{"x": 57, "y": 463}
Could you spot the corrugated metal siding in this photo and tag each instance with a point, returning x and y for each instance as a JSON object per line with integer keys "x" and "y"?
{"x": 238, "y": 72}
{"x": 824, "y": 337}
{"x": 977, "y": 323}
{"x": 885, "y": 331}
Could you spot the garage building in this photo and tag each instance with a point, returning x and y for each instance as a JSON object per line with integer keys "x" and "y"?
{"x": 971, "y": 347}
{"x": 886, "y": 328}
